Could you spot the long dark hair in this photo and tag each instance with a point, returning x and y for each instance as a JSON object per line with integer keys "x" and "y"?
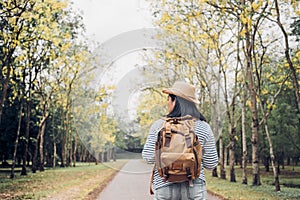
{"x": 184, "y": 107}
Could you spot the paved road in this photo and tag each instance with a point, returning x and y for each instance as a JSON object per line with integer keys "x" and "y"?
{"x": 132, "y": 183}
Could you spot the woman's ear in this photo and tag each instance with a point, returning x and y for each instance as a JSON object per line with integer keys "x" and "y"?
{"x": 171, "y": 104}
{"x": 174, "y": 102}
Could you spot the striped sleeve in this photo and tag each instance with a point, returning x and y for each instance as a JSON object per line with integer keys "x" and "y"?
{"x": 210, "y": 155}
{"x": 148, "y": 152}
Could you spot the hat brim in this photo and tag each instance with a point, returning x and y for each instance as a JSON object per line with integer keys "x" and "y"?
{"x": 178, "y": 93}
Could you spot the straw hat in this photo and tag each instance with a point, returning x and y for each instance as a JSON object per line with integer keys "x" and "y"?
{"x": 183, "y": 90}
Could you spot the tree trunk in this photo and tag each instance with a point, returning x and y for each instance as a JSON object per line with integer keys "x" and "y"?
{"x": 70, "y": 153}
{"x": 8, "y": 59}
{"x": 25, "y": 150}
{"x": 109, "y": 152}
{"x": 63, "y": 151}
{"x": 254, "y": 140}
{"x": 40, "y": 137}
{"x": 266, "y": 163}
{"x": 276, "y": 177}
{"x": 254, "y": 127}
{"x": 4, "y": 90}
{"x": 282, "y": 159}
{"x": 54, "y": 144}
{"x": 221, "y": 151}
{"x": 12, "y": 175}
{"x": 69, "y": 148}
{"x": 102, "y": 156}
{"x": 231, "y": 155}
{"x": 288, "y": 58}
{"x": 214, "y": 172}
{"x": 244, "y": 144}
{"x": 226, "y": 156}
{"x": 75, "y": 150}
{"x": 34, "y": 160}
{"x": 68, "y": 141}
{"x": 221, "y": 154}
{"x": 278, "y": 167}
{"x": 64, "y": 141}
{"x": 97, "y": 159}
{"x": 253, "y": 106}
{"x": 114, "y": 154}
{"x": 54, "y": 153}
{"x": 43, "y": 125}
{"x": 86, "y": 155}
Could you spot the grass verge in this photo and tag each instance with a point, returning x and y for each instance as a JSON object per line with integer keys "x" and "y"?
{"x": 85, "y": 181}
{"x": 237, "y": 190}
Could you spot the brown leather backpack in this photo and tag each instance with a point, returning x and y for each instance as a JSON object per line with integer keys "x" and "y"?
{"x": 178, "y": 150}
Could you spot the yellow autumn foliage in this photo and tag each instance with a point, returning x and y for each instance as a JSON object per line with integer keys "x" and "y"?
{"x": 256, "y": 5}
{"x": 244, "y": 19}
{"x": 248, "y": 103}
{"x": 264, "y": 91}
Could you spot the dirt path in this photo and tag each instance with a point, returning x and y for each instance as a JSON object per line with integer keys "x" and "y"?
{"x": 132, "y": 183}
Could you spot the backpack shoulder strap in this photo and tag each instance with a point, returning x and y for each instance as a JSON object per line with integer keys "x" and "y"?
{"x": 151, "y": 181}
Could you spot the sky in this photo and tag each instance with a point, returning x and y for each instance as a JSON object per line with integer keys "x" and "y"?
{"x": 107, "y": 18}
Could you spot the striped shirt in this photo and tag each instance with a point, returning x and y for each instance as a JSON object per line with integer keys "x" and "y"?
{"x": 206, "y": 138}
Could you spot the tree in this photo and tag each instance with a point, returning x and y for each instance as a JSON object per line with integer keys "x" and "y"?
{"x": 245, "y": 24}
{"x": 41, "y": 57}
{"x": 287, "y": 52}
{"x": 198, "y": 55}
{"x": 13, "y": 32}
{"x": 96, "y": 127}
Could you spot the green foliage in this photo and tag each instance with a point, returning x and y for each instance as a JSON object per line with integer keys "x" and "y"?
{"x": 296, "y": 27}
{"x": 41, "y": 59}
{"x": 233, "y": 52}
{"x": 238, "y": 190}
{"x": 285, "y": 125}
{"x": 45, "y": 61}
{"x": 150, "y": 110}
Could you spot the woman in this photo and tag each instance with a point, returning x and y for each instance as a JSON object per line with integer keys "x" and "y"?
{"x": 182, "y": 101}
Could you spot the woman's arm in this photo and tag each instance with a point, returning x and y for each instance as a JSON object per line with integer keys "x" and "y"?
{"x": 148, "y": 152}
{"x": 210, "y": 155}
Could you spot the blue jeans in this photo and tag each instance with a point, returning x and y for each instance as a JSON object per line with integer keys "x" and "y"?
{"x": 182, "y": 191}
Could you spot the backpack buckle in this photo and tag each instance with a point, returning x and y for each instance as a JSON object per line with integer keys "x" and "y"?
{"x": 168, "y": 139}
{"x": 166, "y": 173}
